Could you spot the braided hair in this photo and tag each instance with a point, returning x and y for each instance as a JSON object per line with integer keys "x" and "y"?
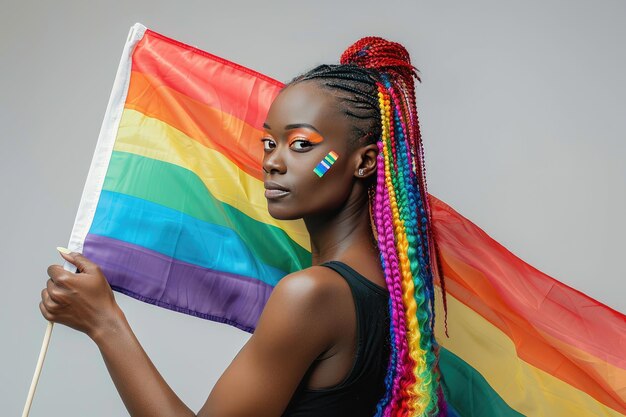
{"x": 374, "y": 87}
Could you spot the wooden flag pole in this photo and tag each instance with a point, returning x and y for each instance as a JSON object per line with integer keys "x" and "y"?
{"x": 42, "y": 356}
{"x": 95, "y": 177}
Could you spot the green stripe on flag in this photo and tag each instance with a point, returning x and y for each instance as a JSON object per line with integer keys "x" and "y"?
{"x": 468, "y": 391}
{"x": 180, "y": 189}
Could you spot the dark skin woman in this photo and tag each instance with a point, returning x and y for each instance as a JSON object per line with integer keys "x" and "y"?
{"x": 308, "y": 326}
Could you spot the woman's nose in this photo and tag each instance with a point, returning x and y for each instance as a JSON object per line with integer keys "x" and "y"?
{"x": 273, "y": 163}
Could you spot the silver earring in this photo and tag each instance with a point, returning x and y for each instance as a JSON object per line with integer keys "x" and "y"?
{"x": 360, "y": 172}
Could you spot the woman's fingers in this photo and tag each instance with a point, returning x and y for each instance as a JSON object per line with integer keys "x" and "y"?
{"x": 47, "y": 305}
{"x": 56, "y": 293}
{"x": 58, "y": 274}
{"x": 45, "y": 313}
{"x": 81, "y": 262}
{"x": 51, "y": 298}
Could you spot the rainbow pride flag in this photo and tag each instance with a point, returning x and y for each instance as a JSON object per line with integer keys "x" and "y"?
{"x": 174, "y": 212}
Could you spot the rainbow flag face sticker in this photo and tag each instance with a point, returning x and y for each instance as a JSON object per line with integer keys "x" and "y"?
{"x": 325, "y": 164}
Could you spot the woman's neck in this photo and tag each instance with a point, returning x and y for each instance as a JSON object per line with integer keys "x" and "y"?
{"x": 342, "y": 234}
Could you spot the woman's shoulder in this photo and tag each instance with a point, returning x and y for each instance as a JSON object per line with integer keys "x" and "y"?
{"x": 312, "y": 284}
{"x": 305, "y": 305}
{"x": 315, "y": 296}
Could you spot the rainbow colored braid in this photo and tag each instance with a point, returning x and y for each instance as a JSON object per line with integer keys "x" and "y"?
{"x": 374, "y": 86}
{"x": 404, "y": 233}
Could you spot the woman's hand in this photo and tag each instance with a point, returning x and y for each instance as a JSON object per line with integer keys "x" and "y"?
{"x": 83, "y": 301}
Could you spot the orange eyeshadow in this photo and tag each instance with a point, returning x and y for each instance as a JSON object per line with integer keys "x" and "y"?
{"x": 305, "y": 134}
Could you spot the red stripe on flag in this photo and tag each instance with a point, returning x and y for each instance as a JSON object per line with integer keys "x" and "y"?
{"x": 211, "y": 80}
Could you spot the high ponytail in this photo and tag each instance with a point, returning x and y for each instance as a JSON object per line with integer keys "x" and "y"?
{"x": 375, "y": 86}
{"x": 382, "y": 55}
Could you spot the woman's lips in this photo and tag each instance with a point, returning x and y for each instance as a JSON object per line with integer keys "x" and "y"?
{"x": 274, "y": 190}
{"x": 275, "y": 193}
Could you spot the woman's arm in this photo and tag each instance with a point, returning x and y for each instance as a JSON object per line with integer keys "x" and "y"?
{"x": 140, "y": 385}
{"x": 296, "y": 326}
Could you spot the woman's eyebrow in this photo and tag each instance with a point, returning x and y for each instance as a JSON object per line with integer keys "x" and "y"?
{"x": 266, "y": 126}
{"x": 299, "y": 125}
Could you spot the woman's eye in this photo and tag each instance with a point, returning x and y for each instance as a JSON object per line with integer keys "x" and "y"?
{"x": 268, "y": 144}
{"x": 300, "y": 144}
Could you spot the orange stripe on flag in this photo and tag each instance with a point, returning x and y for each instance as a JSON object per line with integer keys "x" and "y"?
{"x": 571, "y": 365}
{"x": 215, "y": 129}
{"x": 204, "y": 77}
{"x": 583, "y": 367}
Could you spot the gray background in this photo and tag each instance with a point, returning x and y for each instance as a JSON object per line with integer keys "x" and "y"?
{"x": 522, "y": 109}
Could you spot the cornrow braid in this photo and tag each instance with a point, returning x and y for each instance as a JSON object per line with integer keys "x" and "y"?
{"x": 374, "y": 85}
{"x": 355, "y": 91}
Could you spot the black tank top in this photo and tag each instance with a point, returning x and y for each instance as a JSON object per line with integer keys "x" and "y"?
{"x": 358, "y": 394}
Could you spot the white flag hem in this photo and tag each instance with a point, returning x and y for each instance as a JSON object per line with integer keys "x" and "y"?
{"x": 104, "y": 146}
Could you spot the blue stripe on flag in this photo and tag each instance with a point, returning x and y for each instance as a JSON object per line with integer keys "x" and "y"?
{"x": 174, "y": 234}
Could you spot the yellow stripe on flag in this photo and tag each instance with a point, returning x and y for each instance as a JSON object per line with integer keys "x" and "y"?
{"x": 152, "y": 138}
{"x": 528, "y": 390}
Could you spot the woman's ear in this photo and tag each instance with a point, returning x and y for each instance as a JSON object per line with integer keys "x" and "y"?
{"x": 367, "y": 161}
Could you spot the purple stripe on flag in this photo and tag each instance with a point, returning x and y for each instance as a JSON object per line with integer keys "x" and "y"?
{"x": 180, "y": 286}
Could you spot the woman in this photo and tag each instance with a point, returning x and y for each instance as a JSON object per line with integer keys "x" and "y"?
{"x": 351, "y": 335}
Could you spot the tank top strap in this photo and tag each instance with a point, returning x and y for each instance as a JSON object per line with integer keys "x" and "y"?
{"x": 367, "y": 296}
{"x": 353, "y": 276}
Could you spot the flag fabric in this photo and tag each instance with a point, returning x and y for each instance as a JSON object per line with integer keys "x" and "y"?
{"x": 174, "y": 212}
{"x": 174, "y": 208}
{"x": 522, "y": 343}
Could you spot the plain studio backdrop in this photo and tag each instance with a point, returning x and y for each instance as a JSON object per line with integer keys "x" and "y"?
{"x": 522, "y": 109}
